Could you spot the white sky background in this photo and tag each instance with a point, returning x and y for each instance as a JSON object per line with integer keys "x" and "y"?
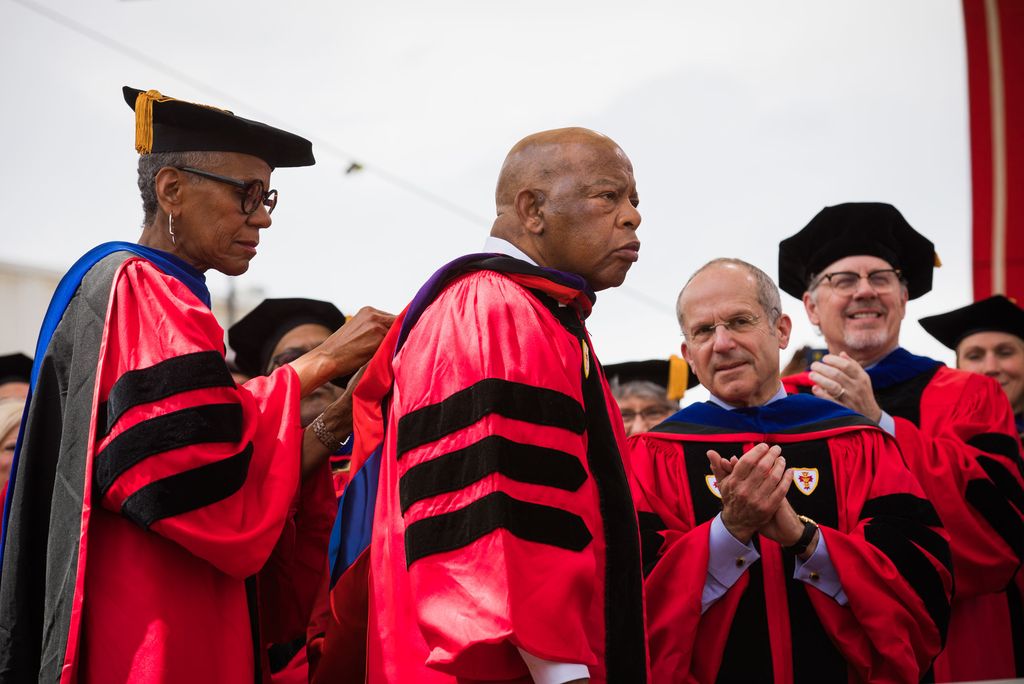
{"x": 742, "y": 119}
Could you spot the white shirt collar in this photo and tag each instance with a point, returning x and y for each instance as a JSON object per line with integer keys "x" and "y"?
{"x": 499, "y": 245}
{"x": 780, "y": 394}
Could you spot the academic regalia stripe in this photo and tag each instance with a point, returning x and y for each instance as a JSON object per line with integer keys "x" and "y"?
{"x": 998, "y": 512}
{"x": 922, "y": 535}
{"x": 903, "y": 399}
{"x": 901, "y": 506}
{"x": 915, "y": 567}
{"x": 196, "y": 425}
{"x": 651, "y": 541}
{"x": 188, "y": 490}
{"x": 199, "y": 370}
{"x": 997, "y": 443}
{"x": 526, "y": 520}
{"x": 1004, "y": 481}
{"x": 492, "y": 455}
{"x": 747, "y": 655}
{"x": 537, "y": 405}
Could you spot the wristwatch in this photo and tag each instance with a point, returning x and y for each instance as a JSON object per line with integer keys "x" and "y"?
{"x": 810, "y": 527}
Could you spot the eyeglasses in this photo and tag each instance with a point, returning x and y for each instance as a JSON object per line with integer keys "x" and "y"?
{"x": 738, "y": 325}
{"x": 254, "y": 193}
{"x": 648, "y": 414}
{"x": 846, "y": 282}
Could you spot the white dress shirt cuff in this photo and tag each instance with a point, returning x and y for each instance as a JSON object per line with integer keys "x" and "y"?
{"x": 728, "y": 559}
{"x": 819, "y": 572}
{"x": 547, "y": 672}
{"x": 887, "y": 423}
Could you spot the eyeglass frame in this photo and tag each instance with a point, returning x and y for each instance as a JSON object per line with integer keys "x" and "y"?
{"x": 729, "y": 326}
{"x": 265, "y": 195}
{"x": 867, "y": 276}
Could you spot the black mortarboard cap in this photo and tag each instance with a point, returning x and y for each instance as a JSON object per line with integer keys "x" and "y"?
{"x": 673, "y": 374}
{"x": 995, "y": 314}
{"x": 855, "y": 228}
{"x": 163, "y": 124}
{"x": 256, "y": 334}
{"x": 15, "y": 368}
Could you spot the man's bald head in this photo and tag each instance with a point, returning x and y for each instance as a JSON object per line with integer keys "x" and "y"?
{"x": 538, "y": 159}
{"x": 567, "y": 198}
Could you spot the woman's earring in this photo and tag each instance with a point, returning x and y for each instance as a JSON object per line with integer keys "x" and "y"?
{"x": 170, "y": 226}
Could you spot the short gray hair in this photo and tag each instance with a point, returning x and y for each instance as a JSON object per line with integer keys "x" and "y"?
{"x": 150, "y": 165}
{"x": 767, "y": 291}
{"x": 642, "y": 389}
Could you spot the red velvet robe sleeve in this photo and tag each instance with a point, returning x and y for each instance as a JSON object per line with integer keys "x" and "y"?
{"x": 891, "y": 555}
{"x": 966, "y": 457}
{"x": 521, "y": 569}
{"x": 292, "y": 580}
{"x": 181, "y": 452}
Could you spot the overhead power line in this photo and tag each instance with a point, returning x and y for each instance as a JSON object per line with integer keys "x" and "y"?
{"x": 355, "y": 163}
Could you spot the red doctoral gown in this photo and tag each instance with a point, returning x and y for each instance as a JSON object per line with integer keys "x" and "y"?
{"x": 884, "y": 539}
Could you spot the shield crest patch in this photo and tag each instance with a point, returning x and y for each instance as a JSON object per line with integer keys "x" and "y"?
{"x": 805, "y": 479}
{"x": 712, "y": 483}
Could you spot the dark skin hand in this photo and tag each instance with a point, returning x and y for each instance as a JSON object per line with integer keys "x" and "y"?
{"x": 784, "y": 527}
{"x": 338, "y": 420}
{"x": 346, "y": 350}
{"x": 843, "y": 380}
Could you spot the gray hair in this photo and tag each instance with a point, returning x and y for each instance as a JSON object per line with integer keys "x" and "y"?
{"x": 767, "y": 291}
{"x": 150, "y": 165}
{"x": 642, "y": 389}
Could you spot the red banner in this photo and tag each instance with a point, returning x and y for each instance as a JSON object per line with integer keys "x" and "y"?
{"x": 995, "y": 78}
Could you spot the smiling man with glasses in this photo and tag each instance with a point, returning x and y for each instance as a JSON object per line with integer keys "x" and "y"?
{"x": 855, "y": 266}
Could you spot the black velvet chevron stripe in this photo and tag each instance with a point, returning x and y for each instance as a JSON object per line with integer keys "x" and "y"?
{"x": 997, "y": 443}
{"x": 196, "y": 425}
{"x": 529, "y": 521}
{"x": 199, "y": 370}
{"x": 997, "y": 511}
{"x": 902, "y": 506}
{"x": 651, "y": 541}
{"x": 189, "y": 490}
{"x": 494, "y": 454}
{"x": 915, "y": 567}
{"x": 515, "y": 400}
{"x": 1004, "y": 481}
{"x": 922, "y": 535}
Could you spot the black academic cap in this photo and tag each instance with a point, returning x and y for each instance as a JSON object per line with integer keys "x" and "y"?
{"x": 673, "y": 374}
{"x": 256, "y": 334}
{"x": 163, "y": 124}
{"x": 871, "y": 228}
{"x": 997, "y": 314}
{"x": 15, "y": 368}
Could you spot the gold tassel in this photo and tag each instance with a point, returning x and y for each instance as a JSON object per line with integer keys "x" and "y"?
{"x": 678, "y": 374}
{"x": 144, "y": 119}
{"x": 938, "y": 261}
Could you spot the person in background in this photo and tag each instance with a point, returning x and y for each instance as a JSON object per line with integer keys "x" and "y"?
{"x": 154, "y": 504}
{"x": 988, "y": 338}
{"x": 855, "y": 266}
{"x": 784, "y": 538}
{"x": 15, "y": 372}
{"x": 10, "y": 420}
{"x": 278, "y": 331}
{"x": 648, "y": 392}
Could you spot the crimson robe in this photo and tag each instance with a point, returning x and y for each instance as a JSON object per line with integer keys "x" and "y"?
{"x": 957, "y": 433}
{"x": 503, "y": 515}
{"x": 151, "y": 493}
{"x": 884, "y": 540}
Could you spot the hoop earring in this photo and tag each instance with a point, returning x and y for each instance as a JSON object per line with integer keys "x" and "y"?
{"x": 170, "y": 226}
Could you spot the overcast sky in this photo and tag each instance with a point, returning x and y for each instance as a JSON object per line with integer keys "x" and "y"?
{"x": 742, "y": 119}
